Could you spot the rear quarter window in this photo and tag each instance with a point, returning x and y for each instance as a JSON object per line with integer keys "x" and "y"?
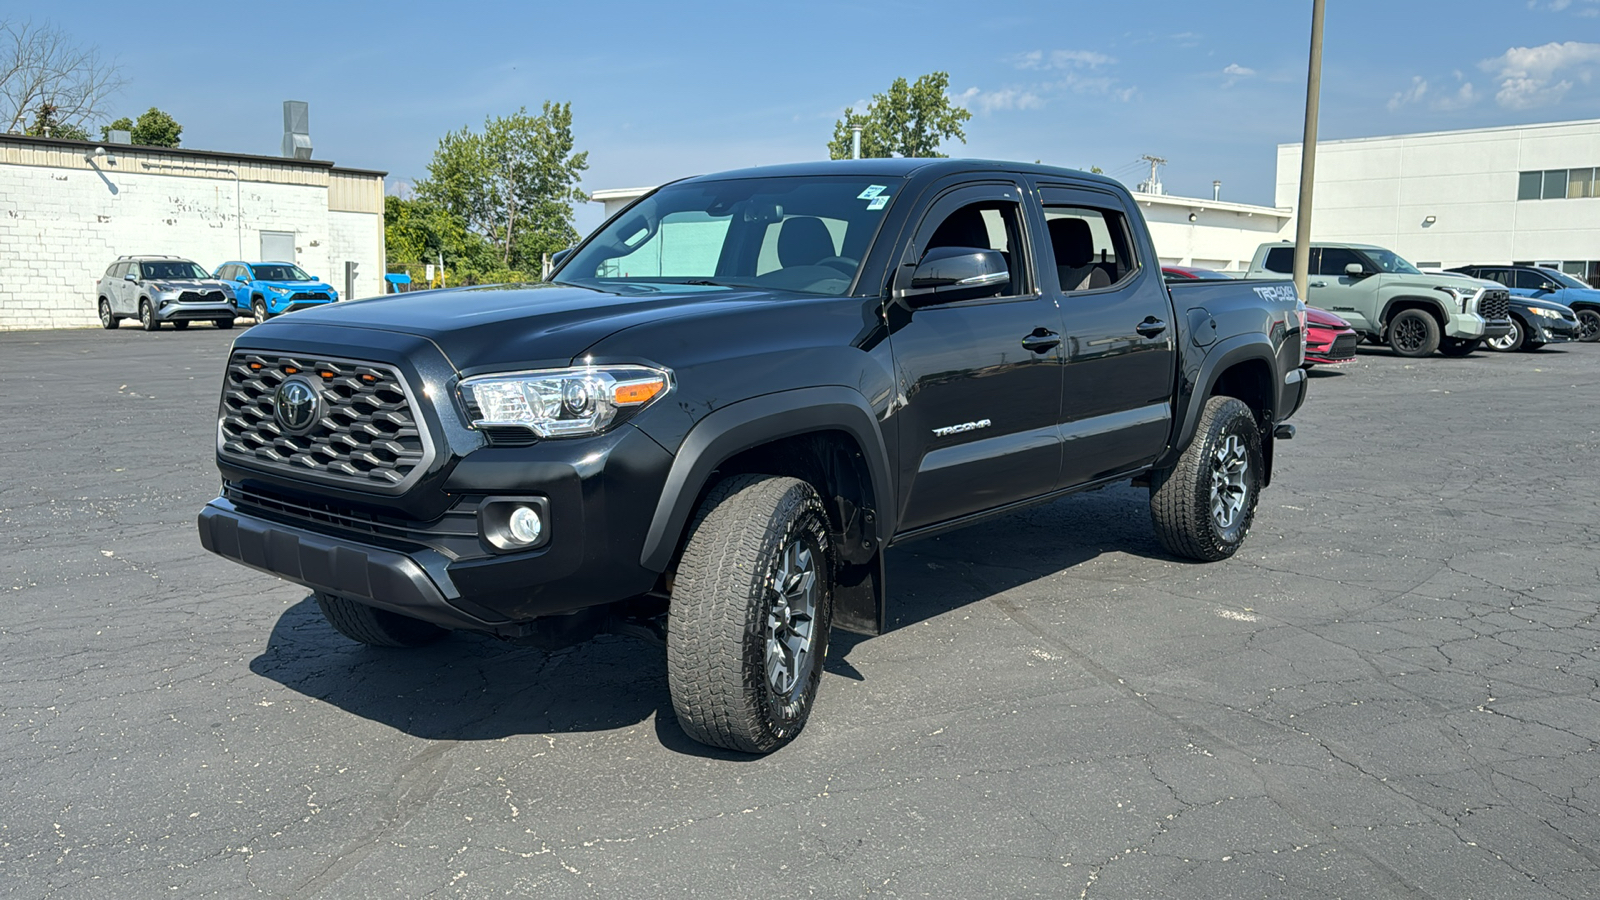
{"x": 1279, "y": 259}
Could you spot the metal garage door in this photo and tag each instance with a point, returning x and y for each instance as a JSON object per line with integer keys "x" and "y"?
{"x": 277, "y": 246}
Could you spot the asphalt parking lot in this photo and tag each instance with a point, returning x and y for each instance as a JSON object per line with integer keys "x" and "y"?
{"x": 1391, "y": 692}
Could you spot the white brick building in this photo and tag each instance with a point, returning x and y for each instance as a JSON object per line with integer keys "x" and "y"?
{"x": 66, "y": 213}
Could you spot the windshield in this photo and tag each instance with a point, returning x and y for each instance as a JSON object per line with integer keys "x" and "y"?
{"x": 174, "y": 269}
{"x": 1389, "y": 261}
{"x": 804, "y": 234}
{"x": 1563, "y": 279}
{"x": 280, "y": 272}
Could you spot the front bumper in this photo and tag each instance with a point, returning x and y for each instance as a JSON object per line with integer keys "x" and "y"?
{"x": 1496, "y": 328}
{"x": 280, "y": 305}
{"x": 176, "y": 310}
{"x": 1470, "y": 325}
{"x": 441, "y": 567}
{"x": 1553, "y": 331}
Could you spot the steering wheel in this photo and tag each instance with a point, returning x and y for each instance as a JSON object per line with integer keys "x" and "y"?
{"x": 843, "y": 263}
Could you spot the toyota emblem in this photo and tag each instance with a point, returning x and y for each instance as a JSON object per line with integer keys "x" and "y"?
{"x": 295, "y": 406}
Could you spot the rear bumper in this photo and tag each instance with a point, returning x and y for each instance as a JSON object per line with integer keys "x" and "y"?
{"x": 1291, "y": 394}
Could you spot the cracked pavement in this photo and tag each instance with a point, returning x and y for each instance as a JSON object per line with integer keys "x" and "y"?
{"x": 1390, "y": 692}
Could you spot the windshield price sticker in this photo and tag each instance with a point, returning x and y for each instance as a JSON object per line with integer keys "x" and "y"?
{"x": 872, "y": 191}
{"x": 878, "y": 202}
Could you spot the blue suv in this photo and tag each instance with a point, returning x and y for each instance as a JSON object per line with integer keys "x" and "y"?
{"x": 1540, "y": 283}
{"x": 267, "y": 289}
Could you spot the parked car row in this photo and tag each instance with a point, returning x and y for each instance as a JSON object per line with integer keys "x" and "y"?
{"x": 157, "y": 290}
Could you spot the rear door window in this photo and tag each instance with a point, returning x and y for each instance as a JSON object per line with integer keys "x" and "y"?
{"x": 1091, "y": 246}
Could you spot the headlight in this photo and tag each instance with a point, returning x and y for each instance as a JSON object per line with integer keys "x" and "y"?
{"x": 276, "y": 290}
{"x": 1546, "y": 313}
{"x": 564, "y": 402}
{"x": 1463, "y": 296}
{"x": 333, "y": 294}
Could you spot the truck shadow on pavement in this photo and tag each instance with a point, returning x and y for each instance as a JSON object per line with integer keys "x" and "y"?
{"x": 471, "y": 687}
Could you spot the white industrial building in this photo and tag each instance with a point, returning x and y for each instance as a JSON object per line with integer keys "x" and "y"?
{"x": 1520, "y": 194}
{"x": 69, "y": 208}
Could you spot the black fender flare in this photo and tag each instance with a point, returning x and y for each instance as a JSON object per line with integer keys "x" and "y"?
{"x": 1436, "y": 305}
{"x": 738, "y": 427}
{"x": 1227, "y": 353}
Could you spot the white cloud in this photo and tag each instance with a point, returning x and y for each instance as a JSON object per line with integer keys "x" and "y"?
{"x": 1238, "y": 71}
{"x": 1005, "y": 98}
{"x": 1413, "y": 94}
{"x": 1531, "y": 77}
{"x": 1061, "y": 59}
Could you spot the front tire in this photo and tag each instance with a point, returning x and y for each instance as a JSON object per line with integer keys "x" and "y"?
{"x": 225, "y": 324}
{"x": 752, "y": 603}
{"x": 1413, "y": 333}
{"x": 1511, "y": 340}
{"x": 1589, "y": 325}
{"x": 180, "y": 324}
{"x": 1202, "y": 507}
{"x": 376, "y": 627}
{"x": 1459, "y": 347}
{"x": 108, "y": 320}
{"x": 147, "y": 317}
{"x": 258, "y": 309}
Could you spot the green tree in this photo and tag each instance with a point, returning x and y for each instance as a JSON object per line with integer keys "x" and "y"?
{"x": 122, "y": 124}
{"x": 511, "y": 186}
{"x": 47, "y": 123}
{"x": 156, "y": 129}
{"x": 909, "y": 120}
{"x": 417, "y": 232}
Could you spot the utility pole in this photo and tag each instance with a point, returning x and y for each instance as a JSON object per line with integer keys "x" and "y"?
{"x": 1308, "y": 156}
{"x": 1153, "y": 186}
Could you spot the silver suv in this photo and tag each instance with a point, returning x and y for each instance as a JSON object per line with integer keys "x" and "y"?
{"x": 156, "y": 289}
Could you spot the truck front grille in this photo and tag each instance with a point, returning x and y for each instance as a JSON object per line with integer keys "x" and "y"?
{"x": 362, "y": 433}
{"x": 1494, "y": 305}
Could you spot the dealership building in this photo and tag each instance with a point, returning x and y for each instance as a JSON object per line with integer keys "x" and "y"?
{"x": 1520, "y": 194}
{"x": 68, "y": 209}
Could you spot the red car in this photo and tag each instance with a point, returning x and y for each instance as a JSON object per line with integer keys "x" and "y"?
{"x": 1330, "y": 341}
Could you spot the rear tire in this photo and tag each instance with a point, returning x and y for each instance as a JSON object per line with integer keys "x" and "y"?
{"x": 376, "y": 627}
{"x": 1511, "y": 340}
{"x": 1202, "y": 507}
{"x": 147, "y": 317}
{"x": 1413, "y": 333}
{"x": 1589, "y": 325}
{"x": 752, "y": 603}
{"x": 108, "y": 320}
{"x": 1459, "y": 347}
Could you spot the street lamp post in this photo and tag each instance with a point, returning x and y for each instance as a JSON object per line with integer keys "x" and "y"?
{"x": 1308, "y": 156}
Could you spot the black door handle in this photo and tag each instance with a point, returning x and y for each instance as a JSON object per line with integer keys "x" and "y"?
{"x": 1042, "y": 340}
{"x": 1150, "y": 327}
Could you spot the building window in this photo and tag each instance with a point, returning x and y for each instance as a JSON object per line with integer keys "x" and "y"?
{"x": 1555, "y": 184}
{"x": 1580, "y": 183}
{"x": 1528, "y": 185}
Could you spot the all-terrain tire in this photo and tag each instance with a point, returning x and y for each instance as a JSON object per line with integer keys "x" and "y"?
{"x": 752, "y": 602}
{"x": 1459, "y": 346}
{"x": 376, "y": 627}
{"x": 147, "y": 317}
{"x": 1589, "y": 325}
{"x": 1413, "y": 333}
{"x": 1203, "y": 506}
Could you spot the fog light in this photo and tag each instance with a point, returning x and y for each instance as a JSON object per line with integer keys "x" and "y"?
{"x": 525, "y": 525}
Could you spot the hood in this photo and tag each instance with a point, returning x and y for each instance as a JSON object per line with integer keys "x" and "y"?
{"x": 293, "y": 286}
{"x": 1325, "y": 319}
{"x": 1541, "y": 303}
{"x": 490, "y": 328}
{"x": 187, "y": 284}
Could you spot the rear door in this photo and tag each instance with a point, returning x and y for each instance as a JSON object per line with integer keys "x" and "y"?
{"x": 980, "y": 379}
{"x": 1118, "y": 335}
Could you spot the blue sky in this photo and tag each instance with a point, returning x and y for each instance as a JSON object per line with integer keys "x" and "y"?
{"x": 663, "y": 90}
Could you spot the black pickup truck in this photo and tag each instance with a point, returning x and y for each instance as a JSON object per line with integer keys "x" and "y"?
{"x": 731, "y": 399}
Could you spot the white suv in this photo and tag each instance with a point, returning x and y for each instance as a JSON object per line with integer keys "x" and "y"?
{"x": 156, "y": 289}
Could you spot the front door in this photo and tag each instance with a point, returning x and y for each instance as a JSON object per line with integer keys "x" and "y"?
{"x": 1353, "y": 298}
{"x": 980, "y": 377}
{"x": 1119, "y": 337}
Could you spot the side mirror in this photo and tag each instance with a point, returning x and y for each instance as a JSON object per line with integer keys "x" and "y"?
{"x": 1355, "y": 270}
{"x": 131, "y": 276}
{"x": 1549, "y": 286}
{"x": 242, "y": 279}
{"x": 559, "y": 255}
{"x": 956, "y": 273}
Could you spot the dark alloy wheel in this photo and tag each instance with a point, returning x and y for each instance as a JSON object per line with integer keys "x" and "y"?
{"x": 1459, "y": 346}
{"x": 752, "y": 603}
{"x": 1203, "y": 506}
{"x": 1511, "y": 340}
{"x": 108, "y": 321}
{"x": 258, "y": 309}
{"x": 147, "y": 317}
{"x": 1589, "y": 325}
{"x": 1413, "y": 333}
{"x": 376, "y": 627}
